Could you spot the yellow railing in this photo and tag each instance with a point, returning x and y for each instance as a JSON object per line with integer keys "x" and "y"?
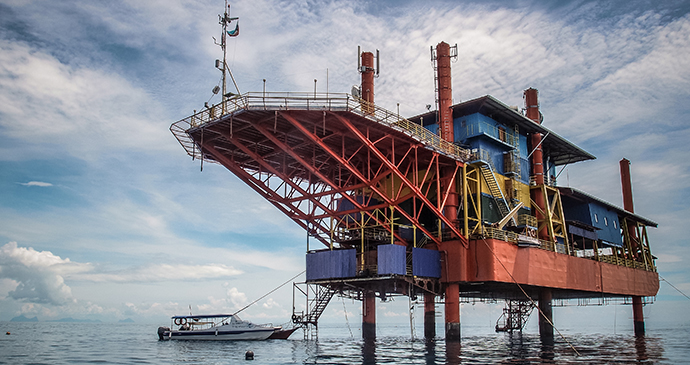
{"x": 317, "y": 101}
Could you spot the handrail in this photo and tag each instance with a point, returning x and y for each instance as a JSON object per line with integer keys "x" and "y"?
{"x": 315, "y": 101}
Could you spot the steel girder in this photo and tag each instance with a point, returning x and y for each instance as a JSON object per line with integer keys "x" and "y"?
{"x": 304, "y": 163}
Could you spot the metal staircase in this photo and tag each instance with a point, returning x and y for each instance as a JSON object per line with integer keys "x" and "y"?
{"x": 496, "y": 192}
{"x": 317, "y": 297}
{"x": 515, "y": 316}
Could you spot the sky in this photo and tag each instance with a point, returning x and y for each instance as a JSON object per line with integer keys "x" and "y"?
{"x": 103, "y": 215}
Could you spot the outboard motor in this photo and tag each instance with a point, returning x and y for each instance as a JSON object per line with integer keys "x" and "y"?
{"x": 161, "y": 333}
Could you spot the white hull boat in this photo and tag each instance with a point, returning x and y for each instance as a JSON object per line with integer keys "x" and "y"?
{"x": 215, "y": 327}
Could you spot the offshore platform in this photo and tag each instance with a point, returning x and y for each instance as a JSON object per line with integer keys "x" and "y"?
{"x": 454, "y": 204}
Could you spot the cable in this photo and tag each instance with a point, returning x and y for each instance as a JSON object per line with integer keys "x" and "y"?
{"x": 530, "y": 298}
{"x": 347, "y": 320}
{"x": 269, "y": 293}
{"x": 673, "y": 286}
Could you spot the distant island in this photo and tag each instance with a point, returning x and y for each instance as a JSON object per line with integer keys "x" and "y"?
{"x": 72, "y": 320}
{"x": 22, "y": 318}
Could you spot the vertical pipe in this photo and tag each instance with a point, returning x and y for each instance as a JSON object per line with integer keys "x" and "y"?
{"x": 626, "y": 184}
{"x": 546, "y": 312}
{"x": 452, "y": 308}
{"x": 367, "y": 71}
{"x": 537, "y": 160}
{"x": 429, "y": 316}
{"x": 369, "y": 316}
{"x": 445, "y": 92}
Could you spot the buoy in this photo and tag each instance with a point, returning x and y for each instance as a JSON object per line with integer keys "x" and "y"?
{"x": 7, "y": 333}
{"x": 249, "y": 355}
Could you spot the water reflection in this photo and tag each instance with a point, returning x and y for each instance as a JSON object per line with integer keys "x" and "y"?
{"x": 369, "y": 352}
{"x": 453, "y": 352}
{"x": 641, "y": 348}
{"x": 430, "y": 352}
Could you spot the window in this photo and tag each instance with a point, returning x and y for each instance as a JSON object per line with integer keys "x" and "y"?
{"x": 606, "y": 221}
{"x": 614, "y": 224}
{"x": 596, "y": 218}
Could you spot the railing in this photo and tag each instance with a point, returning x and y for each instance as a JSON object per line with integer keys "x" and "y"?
{"x": 502, "y": 134}
{"x": 507, "y": 236}
{"x": 316, "y": 101}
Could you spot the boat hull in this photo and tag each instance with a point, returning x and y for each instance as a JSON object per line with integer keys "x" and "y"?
{"x": 219, "y": 335}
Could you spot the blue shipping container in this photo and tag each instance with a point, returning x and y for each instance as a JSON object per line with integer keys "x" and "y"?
{"x": 391, "y": 260}
{"x": 426, "y": 263}
{"x": 331, "y": 264}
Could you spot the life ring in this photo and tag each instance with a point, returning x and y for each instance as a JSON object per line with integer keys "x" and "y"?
{"x": 180, "y": 321}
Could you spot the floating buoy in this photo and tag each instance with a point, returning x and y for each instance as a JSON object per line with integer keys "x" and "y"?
{"x": 7, "y": 333}
{"x": 249, "y": 355}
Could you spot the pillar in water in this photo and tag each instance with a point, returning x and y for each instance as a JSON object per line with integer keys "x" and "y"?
{"x": 452, "y": 309}
{"x": 429, "y": 316}
{"x": 545, "y": 316}
{"x": 369, "y": 316}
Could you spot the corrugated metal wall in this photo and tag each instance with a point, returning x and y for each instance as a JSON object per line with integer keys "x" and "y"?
{"x": 331, "y": 264}
{"x": 426, "y": 263}
{"x": 391, "y": 260}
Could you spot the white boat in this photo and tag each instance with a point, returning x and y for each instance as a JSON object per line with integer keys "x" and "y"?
{"x": 215, "y": 327}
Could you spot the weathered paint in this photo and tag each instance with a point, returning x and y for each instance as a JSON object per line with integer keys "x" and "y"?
{"x": 493, "y": 260}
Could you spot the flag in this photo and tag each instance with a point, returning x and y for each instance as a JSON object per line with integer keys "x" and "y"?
{"x": 236, "y": 31}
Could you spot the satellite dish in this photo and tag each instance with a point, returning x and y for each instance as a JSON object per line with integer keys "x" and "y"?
{"x": 356, "y": 91}
{"x": 216, "y": 89}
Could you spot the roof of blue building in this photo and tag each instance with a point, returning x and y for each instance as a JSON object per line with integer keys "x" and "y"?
{"x": 560, "y": 150}
{"x": 581, "y": 195}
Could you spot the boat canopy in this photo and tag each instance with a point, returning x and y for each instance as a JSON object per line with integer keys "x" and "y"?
{"x": 204, "y": 316}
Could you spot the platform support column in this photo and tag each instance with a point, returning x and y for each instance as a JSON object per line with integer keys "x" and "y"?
{"x": 638, "y": 316}
{"x": 452, "y": 309}
{"x": 545, "y": 316}
{"x": 369, "y": 316}
{"x": 429, "y": 316}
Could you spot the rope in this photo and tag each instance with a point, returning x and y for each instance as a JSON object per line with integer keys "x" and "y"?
{"x": 269, "y": 293}
{"x": 530, "y": 298}
{"x": 673, "y": 286}
{"x": 347, "y": 320}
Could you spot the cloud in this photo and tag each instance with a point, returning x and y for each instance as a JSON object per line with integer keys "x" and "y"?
{"x": 36, "y": 183}
{"x": 39, "y": 275}
{"x": 162, "y": 272}
{"x": 82, "y": 110}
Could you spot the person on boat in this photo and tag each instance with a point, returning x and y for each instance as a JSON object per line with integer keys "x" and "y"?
{"x": 184, "y": 327}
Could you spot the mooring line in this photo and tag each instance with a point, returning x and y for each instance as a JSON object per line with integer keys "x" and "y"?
{"x": 673, "y": 286}
{"x": 269, "y": 293}
{"x": 530, "y": 298}
{"x": 347, "y": 320}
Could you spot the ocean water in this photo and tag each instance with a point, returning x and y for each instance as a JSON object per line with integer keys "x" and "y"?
{"x": 102, "y": 343}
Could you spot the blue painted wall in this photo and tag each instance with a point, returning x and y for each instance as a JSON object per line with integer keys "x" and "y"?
{"x": 595, "y": 215}
{"x": 331, "y": 264}
{"x": 426, "y": 263}
{"x": 391, "y": 260}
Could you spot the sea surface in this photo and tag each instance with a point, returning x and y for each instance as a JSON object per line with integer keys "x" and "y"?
{"x": 104, "y": 343}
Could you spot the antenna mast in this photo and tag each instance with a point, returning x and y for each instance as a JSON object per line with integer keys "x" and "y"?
{"x": 223, "y": 42}
{"x": 224, "y": 20}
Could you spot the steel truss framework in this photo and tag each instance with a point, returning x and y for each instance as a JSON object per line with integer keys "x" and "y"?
{"x": 308, "y": 162}
{"x": 554, "y": 219}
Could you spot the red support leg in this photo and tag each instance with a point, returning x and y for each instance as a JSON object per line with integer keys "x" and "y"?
{"x": 369, "y": 316}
